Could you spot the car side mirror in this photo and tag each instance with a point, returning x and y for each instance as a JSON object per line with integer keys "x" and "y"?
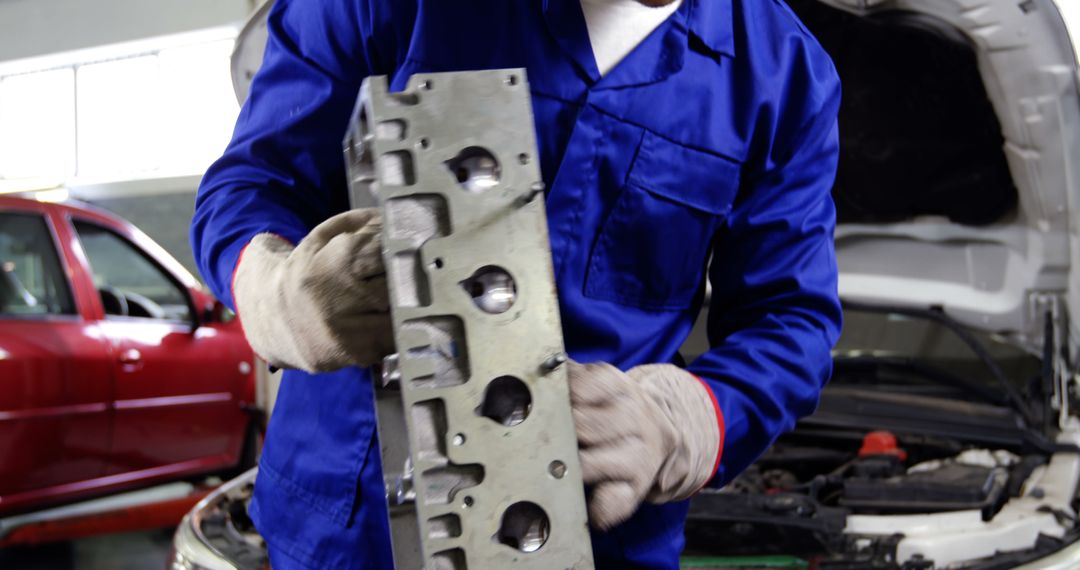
{"x": 212, "y": 313}
{"x": 216, "y": 312}
{"x": 208, "y": 314}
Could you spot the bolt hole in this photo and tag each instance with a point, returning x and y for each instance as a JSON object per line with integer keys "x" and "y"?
{"x": 459, "y": 440}
{"x": 475, "y": 169}
{"x": 557, "y": 469}
{"x": 438, "y": 263}
{"x": 468, "y": 501}
{"x": 512, "y": 80}
{"x": 426, "y": 85}
{"x": 523, "y": 158}
{"x": 524, "y": 527}
{"x": 492, "y": 289}
{"x": 425, "y": 143}
{"x": 507, "y": 401}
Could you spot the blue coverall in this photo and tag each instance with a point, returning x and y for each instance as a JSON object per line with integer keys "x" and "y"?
{"x": 716, "y": 137}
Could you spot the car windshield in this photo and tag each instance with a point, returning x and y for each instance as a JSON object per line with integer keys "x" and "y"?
{"x": 922, "y": 355}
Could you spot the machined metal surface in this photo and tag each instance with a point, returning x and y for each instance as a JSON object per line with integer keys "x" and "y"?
{"x": 477, "y": 437}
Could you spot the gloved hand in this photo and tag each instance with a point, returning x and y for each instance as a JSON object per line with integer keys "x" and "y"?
{"x": 322, "y": 305}
{"x": 652, "y": 433}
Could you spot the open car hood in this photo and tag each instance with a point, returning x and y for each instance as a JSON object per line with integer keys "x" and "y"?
{"x": 247, "y": 55}
{"x": 995, "y": 250}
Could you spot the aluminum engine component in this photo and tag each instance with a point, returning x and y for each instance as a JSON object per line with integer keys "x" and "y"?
{"x": 477, "y": 438}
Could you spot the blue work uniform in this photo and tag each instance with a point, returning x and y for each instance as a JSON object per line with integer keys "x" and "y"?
{"x": 716, "y": 137}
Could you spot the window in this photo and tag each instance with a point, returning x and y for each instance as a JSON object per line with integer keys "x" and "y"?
{"x": 199, "y": 107}
{"x": 129, "y": 283}
{"x": 119, "y": 120}
{"x": 162, "y": 108}
{"x": 31, "y": 280}
{"x": 37, "y": 125}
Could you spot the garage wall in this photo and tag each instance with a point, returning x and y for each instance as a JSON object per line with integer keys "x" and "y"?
{"x": 31, "y": 28}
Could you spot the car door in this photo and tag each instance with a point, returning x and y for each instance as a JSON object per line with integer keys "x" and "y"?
{"x": 176, "y": 406}
{"x": 55, "y": 369}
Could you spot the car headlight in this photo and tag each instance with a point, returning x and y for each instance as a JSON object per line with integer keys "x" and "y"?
{"x": 190, "y": 553}
{"x": 217, "y": 534}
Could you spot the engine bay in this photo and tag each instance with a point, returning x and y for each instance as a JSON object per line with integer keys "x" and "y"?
{"x": 874, "y": 459}
{"x": 928, "y": 436}
{"x": 798, "y": 498}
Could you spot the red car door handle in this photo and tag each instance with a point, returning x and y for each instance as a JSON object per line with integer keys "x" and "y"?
{"x": 130, "y": 356}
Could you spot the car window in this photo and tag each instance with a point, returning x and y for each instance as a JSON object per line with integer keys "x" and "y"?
{"x": 32, "y": 282}
{"x": 129, "y": 283}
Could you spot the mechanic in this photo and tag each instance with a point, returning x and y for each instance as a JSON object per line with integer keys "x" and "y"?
{"x": 669, "y": 132}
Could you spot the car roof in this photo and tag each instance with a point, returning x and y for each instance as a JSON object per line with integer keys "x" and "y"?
{"x": 91, "y": 213}
{"x": 78, "y": 209}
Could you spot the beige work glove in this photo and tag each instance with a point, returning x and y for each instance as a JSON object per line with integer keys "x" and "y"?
{"x": 650, "y": 434}
{"x": 322, "y": 305}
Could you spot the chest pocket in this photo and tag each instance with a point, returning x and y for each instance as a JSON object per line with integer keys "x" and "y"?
{"x": 652, "y": 248}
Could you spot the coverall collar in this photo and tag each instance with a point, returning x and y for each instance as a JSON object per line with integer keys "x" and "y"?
{"x": 659, "y": 56}
{"x": 712, "y": 22}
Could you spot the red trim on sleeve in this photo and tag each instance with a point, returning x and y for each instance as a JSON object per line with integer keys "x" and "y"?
{"x": 232, "y": 281}
{"x": 719, "y": 423}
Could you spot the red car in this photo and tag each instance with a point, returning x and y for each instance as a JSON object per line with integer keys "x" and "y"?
{"x": 117, "y": 369}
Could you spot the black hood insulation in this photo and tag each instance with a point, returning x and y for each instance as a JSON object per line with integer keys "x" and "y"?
{"x": 919, "y": 135}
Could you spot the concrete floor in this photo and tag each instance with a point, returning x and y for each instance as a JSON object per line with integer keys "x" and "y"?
{"x": 144, "y": 550}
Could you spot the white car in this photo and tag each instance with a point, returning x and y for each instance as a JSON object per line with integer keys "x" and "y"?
{"x": 950, "y": 434}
